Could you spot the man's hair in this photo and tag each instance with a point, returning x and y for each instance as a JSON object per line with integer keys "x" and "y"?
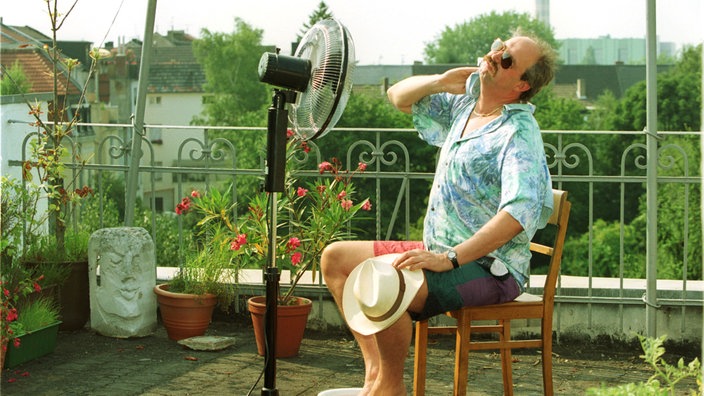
{"x": 542, "y": 72}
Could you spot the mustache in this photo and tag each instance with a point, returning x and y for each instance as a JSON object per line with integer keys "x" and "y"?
{"x": 489, "y": 60}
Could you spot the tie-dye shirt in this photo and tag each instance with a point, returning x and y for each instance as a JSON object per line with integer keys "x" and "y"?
{"x": 500, "y": 166}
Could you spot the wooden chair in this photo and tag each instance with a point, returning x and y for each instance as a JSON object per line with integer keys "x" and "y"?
{"x": 526, "y": 306}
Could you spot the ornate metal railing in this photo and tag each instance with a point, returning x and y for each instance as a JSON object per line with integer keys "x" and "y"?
{"x": 603, "y": 181}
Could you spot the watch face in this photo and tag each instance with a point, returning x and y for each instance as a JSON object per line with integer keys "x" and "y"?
{"x": 451, "y": 255}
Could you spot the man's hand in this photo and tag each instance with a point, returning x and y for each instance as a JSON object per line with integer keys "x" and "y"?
{"x": 454, "y": 80}
{"x": 422, "y": 259}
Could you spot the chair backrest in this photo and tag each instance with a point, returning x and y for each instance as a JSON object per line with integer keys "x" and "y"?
{"x": 558, "y": 219}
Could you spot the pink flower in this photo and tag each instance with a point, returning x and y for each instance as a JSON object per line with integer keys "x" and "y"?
{"x": 301, "y": 192}
{"x": 6, "y": 292}
{"x": 296, "y": 258}
{"x": 293, "y": 244}
{"x": 289, "y": 133}
{"x": 183, "y": 206}
{"x": 238, "y": 242}
{"x": 367, "y": 205}
{"x": 324, "y": 166}
{"x": 346, "y": 204}
{"x": 305, "y": 147}
{"x": 341, "y": 195}
{"x": 362, "y": 166}
{"x": 36, "y": 286}
{"x": 195, "y": 194}
{"x": 16, "y": 342}
{"x": 12, "y": 315}
{"x": 321, "y": 189}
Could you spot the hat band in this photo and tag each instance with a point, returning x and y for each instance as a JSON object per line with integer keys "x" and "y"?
{"x": 396, "y": 304}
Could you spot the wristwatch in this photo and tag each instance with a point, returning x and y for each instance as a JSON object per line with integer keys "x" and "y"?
{"x": 452, "y": 256}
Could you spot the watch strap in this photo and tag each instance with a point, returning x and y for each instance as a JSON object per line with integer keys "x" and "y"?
{"x": 452, "y": 256}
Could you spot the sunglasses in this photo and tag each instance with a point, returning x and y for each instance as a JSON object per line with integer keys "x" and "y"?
{"x": 506, "y": 59}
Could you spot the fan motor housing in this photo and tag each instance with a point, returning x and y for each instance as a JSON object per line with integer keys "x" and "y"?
{"x": 285, "y": 71}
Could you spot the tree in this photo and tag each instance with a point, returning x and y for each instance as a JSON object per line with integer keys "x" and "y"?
{"x": 15, "y": 82}
{"x": 589, "y": 57}
{"x": 318, "y": 15}
{"x": 471, "y": 40}
{"x": 679, "y": 98}
{"x": 236, "y": 96}
{"x": 374, "y": 111}
{"x": 230, "y": 62}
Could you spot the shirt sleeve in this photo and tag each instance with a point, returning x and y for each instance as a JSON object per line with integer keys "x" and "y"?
{"x": 526, "y": 191}
{"x": 432, "y": 117}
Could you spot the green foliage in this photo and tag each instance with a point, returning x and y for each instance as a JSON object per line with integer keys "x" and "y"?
{"x": 679, "y": 94}
{"x": 167, "y": 244}
{"x": 14, "y": 81}
{"x": 589, "y": 57}
{"x": 18, "y": 217}
{"x": 99, "y": 212}
{"x": 230, "y": 62}
{"x": 45, "y": 248}
{"x": 665, "y": 376}
{"x": 37, "y": 313}
{"x": 372, "y": 111}
{"x": 553, "y": 113}
{"x": 467, "y": 41}
{"x": 321, "y": 13}
{"x": 606, "y": 252}
{"x": 599, "y": 118}
{"x": 369, "y": 110}
{"x": 237, "y": 97}
{"x": 207, "y": 270}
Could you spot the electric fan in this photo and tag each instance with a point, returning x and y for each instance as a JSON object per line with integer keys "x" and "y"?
{"x": 316, "y": 82}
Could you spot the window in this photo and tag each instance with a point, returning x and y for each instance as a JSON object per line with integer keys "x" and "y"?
{"x": 154, "y": 134}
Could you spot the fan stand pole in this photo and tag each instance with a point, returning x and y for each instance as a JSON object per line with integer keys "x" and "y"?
{"x": 275, "y": 179}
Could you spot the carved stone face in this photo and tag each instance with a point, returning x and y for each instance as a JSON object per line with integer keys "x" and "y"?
{"x": 122, "y": 275}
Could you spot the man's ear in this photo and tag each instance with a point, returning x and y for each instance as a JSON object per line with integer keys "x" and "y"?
{"x": 523, "y": 86}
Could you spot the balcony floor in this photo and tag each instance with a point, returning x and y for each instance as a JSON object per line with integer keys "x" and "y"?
{"x": 86, "y": 363}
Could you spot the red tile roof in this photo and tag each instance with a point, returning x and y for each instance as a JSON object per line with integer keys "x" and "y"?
{"x": 38, "y": 68}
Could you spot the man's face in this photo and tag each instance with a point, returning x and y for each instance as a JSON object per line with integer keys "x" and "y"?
{"x": 507, "y": 61}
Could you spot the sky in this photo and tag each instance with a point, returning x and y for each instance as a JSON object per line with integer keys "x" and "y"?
{"x": 384, "y": 31}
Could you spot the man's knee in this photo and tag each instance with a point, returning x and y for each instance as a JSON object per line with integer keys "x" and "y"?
{"x": 343, "y": 256}
{"x": 332, "y": 254}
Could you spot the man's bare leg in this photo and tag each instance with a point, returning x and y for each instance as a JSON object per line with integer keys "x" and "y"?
{"x": 393, "y": 343}
{"x": 336, "y": 263}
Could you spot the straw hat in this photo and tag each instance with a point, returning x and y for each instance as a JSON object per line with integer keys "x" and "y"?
{"x": 377, "y": 294}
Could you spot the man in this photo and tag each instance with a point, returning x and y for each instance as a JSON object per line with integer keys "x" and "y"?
{"x": 492, "y": 191}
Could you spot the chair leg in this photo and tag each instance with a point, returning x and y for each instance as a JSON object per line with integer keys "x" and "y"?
{"x": 420, "y": 356}
{"x": 506, "y": 358}
{"x": 547, "y": 363}
{"x": 462, "y": 353}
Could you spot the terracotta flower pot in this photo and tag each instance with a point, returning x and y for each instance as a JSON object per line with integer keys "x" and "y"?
{"x": 290, "y": 325}
{"x": 184, "y": 315}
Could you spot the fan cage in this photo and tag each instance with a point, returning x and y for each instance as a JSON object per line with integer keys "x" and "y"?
{"x": 329, "y": 47}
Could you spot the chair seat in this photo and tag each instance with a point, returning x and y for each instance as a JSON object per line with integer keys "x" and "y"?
{"x": 527, "y": 297}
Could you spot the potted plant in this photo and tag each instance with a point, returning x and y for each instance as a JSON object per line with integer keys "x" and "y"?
{"x": 209, "y": 273}
{"x": 45, "y": 170}
{"x": 312, "y": 216}
{"x": 37, "y": 326}
{"x": 15, "y": 286}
